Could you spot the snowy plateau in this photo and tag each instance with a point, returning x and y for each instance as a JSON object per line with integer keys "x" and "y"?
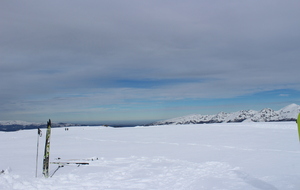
{"x": 288, "y": 113}
{"x": 219, "y": 156}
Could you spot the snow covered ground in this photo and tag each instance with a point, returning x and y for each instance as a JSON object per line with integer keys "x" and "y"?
{"x": 227, "y": 156}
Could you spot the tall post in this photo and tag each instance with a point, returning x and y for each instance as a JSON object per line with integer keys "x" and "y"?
{"x": 47, "y": 151}
{"x": 37, "y": 150}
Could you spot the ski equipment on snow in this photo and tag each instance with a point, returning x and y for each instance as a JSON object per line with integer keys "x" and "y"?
{"x": 67, "y": 163}
{"x": 47, "y": 151}
{"x": 62, "y": 164}
{"x": 37, "y": 150}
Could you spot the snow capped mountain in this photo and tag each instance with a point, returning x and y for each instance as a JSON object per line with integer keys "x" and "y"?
{"x": 288, "y": 113}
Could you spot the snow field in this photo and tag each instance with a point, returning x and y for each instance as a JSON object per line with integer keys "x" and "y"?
{"x": 225, "y": 156}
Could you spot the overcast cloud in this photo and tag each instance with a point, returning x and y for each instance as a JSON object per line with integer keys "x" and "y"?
{"x": 96, "y": 60}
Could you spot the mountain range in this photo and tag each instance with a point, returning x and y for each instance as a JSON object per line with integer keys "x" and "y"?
{"x": 21, "y": 125}
{"x": 288, "y": 113}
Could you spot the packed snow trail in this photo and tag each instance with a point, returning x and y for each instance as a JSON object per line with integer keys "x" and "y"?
{"x": 246, "y": 156}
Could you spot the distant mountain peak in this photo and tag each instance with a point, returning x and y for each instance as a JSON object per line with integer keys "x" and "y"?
{"x": 291, "y": 107}
{"x": 288, "y": 113}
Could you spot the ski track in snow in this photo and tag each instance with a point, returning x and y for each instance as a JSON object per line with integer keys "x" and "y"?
{"x": 216, "y": 147}
{"x": 164, "y": 157}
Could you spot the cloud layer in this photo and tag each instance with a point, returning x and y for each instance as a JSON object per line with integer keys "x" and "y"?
{"x": 78, "y": 56}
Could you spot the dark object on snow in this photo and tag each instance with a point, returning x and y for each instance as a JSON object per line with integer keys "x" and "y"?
{"x": 47, "y": 151}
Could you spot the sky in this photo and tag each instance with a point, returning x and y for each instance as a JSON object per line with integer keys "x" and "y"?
{"x": 138, "y": 61}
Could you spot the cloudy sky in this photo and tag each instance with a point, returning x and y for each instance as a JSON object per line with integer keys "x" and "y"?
{"x": 124, "y": 61}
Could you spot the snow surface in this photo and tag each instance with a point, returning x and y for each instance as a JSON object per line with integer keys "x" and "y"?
{"x": 226, "y": 156}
